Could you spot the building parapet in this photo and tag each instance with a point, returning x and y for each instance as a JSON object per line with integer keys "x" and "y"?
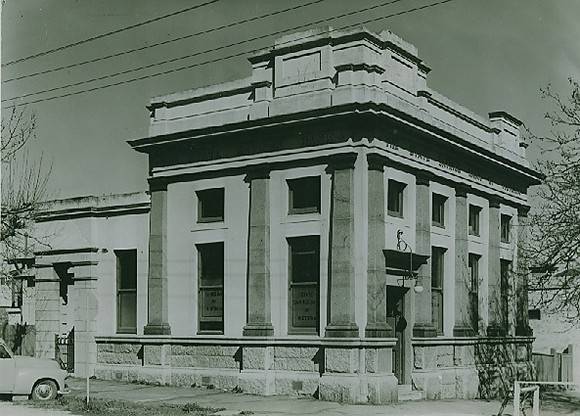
{"x": 324, "y": 68}
{"x": 94, "y": 206}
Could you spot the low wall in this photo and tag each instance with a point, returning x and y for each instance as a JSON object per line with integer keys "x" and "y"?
{"x": 344, "y": 370}
{"x": 467, "y": 368}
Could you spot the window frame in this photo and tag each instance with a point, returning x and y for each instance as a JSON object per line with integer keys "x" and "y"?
{"x": 201, "y": 195}
{"x": 440, "y": 201}
{"x": 474, "y": 213}
{"x": 438, "y": 323}
{"x": 473, "y": 259}
{"x": 505, "y": 228}
{"x": 293, "y": 241}
{"x": 398, "y": 187}
{"x": 120, "y": 256}
{"x": 291, "y": 183}
{"x": 506, "y": 268}
{"x": 201, "y": 288}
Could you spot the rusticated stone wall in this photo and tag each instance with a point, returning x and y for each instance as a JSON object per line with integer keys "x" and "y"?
{"x": 480, "y": 367}
{"x": 348, "y": 372}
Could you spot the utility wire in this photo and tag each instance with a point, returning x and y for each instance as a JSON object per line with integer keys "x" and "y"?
{"x": 167, "y": 61}
{"x": 170, "y": 71}
{"x": 112, "y": 32}
{"x": 165, "y": 42}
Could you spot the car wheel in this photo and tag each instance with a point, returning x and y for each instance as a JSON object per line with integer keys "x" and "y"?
{"x": 44, "y": 390}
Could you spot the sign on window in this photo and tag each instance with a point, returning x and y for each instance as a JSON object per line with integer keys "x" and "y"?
{"x": 304, "y": 306}
{"x": 212, "y": 304}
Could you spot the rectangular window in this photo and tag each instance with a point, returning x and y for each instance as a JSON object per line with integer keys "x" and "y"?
{"x": 211, "y": 287}
{"x": 474, "y": 290}
{"x": 126, "y": 291}
{"x": 437, "y": 278}
{"x": 395, "y": 195}
{"x": 438, "y": 210}
{"x": 505, "y": 270}
{"x": 304, "y": 282}
{"x": 304, "y": 195}
{"x": 474, "y": 211}
{"x": 210, "y": 205}
{"x": 505, "y": 228}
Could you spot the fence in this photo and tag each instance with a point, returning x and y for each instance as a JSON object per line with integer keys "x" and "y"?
{"x": 554, "y": 366}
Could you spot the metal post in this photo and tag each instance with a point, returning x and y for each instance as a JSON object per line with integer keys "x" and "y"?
{"x": 86, "y": 337}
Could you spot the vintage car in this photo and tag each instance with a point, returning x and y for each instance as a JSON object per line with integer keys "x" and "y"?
{"x": 38, "y": 378}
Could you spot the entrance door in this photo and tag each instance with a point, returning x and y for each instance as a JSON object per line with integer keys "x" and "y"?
{"x": 397, "y": 321}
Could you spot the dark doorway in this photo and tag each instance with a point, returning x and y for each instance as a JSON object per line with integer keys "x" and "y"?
{"x": 396, "y": 319}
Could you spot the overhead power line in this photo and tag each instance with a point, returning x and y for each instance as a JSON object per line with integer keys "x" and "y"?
{"x": 191, "y": 55}
{"x": 182, "y": 68}
{"x": 165, "y": 42}
{"x": 112, "y": 32}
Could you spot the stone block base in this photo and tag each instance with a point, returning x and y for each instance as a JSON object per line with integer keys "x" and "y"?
{"x": 353, "y": 388}
{"x": 448, "y": 383}
{"x": 349, "y": 371}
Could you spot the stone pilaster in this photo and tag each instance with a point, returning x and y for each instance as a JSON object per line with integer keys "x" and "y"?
{"x": 522, "y": 321}
{"x": 258, "y": 319}
{"x": 157, "y": 298}
{"x": 377, "y": 325}
{"x": 423, "y": 326}
{"x": 495, "y": 324}
{"x": 341, "y": 285}
{"x": 462, "y": 325}
{"x": 47, "y": 310}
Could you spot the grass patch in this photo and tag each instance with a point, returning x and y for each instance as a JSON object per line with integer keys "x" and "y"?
{"x": 77, "y": 405}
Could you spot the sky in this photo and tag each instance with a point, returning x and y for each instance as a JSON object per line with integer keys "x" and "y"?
{"x": 487, "y": 55}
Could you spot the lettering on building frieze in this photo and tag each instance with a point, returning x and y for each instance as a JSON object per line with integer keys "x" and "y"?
{"x": 420, "y": 157}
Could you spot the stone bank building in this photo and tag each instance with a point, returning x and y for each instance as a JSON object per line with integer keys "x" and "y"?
{"x": 328, "y": 226}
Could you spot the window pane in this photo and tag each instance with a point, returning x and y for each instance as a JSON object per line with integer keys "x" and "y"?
{"x": 126, "y": 290}
{"x": 128, "y": 311}
{"x": 505, "y": 269}
{"x": 127, "y": 268}
{"x": 395, "y": 197}
{"x": 304, "y": 282}
{"x": 474, "y": 220}
{"x": 437, "y": 267}
{"x": 304, "y": 194}
{"x": 474, "y": 290}
{"x": 437, "y": 304}
{"x": 211, "y": 264}
{"x": 505, "y": 228}
{"x": 305, "y": 306}
{"x": 438, "y": 209}
{"x": 211, "y": 286}
{"x": 211, "y": 204}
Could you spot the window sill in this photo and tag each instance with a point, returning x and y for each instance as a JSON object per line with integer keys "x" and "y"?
{"x": 438, "y": 225}
{"x": 132, "y": 331}
{"x": 210, "y": 333}
{"x": 395, "y": 214}
{"x": 210, "y": 219}
{"x": 300, "y": 211}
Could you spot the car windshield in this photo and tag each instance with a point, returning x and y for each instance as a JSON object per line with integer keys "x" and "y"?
{"x": 4, "y": 352}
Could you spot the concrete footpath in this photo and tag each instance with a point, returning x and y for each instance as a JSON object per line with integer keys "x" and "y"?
{"x": 281, "y": 405}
